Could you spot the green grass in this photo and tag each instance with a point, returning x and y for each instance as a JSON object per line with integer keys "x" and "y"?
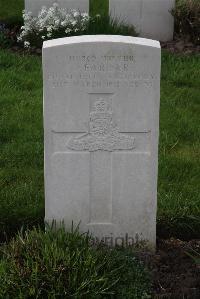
{"x": 179, "y": 167}
{"x": 21, "y": 137}
{"x": 21, "y": 152}
{"x": 99, "y": 7}
{"x": 61, "y": 265}
{"x": 11, "y": 10}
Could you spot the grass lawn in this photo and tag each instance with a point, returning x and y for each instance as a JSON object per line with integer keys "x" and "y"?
{"x": 179, "y": 167}
{"x": 21, "y": 152}
{"x": 56, "y": 264}
{"x": 11, "y": 10}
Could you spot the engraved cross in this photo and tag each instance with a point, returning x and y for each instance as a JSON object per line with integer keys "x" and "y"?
{"x": 103, "y": 137}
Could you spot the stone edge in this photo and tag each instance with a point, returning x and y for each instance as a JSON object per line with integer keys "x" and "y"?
{"x": 101, "y": 38}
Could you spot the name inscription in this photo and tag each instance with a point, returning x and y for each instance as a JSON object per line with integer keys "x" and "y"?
{"x": 99, "y": 72}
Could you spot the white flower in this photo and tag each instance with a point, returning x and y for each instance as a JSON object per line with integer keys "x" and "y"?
{"x": 26, "y": 44}
{"x": 76, "y": 14}
{"x": 85, "y": 15}
{"x": 49, "y": 29}
{"x": 57, "y": 22}
{"x": 74, "y": 22}
{"x": 49, "y": 21}
{"x": 43, "y": 12}
{"x": 64, "y": 23}
{"x": 68, "y": 30}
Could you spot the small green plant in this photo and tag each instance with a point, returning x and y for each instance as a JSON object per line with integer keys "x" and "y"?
{"x": 60, "y": 264}
{"x": 187, "y": 19}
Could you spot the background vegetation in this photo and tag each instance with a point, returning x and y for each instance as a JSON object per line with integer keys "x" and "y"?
{"x": 11, "y": 11}
{"x": 99, "y": 7}
{"x": 187, "y": 20}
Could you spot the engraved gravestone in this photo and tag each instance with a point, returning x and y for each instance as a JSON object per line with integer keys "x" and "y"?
{"x": 35, "y": 6}
{"x": 101, "y": 124}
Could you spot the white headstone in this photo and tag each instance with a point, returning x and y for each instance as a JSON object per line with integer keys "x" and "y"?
{"x": 127, "y": 11}
{"x": 151, "y": 18}
{"x": 35, "y": 5}
{"x": 101, "y": 122}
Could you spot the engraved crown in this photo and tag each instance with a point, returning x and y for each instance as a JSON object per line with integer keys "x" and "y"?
{"x": 101, "y": 110}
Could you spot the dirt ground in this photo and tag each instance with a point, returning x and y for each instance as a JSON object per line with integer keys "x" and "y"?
{"x": 181, "y": 46}
{"x": 175, "y": 269}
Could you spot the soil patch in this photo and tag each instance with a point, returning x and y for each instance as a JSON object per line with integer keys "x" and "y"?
{"x": 175, "y": 269}
{"x": 181, "y": 46}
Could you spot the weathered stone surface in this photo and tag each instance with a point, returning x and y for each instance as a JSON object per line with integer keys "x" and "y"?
{"x": 127, "y": 11}
{"x": 35, "y": 5}
{"x": 151, "y": 18}
{"x": 101, "y": 124}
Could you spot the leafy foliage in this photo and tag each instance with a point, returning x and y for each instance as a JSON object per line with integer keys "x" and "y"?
{"x": 187, "y": 19}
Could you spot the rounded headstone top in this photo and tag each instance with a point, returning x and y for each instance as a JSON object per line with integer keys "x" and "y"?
{"x": 103, "y": 39}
